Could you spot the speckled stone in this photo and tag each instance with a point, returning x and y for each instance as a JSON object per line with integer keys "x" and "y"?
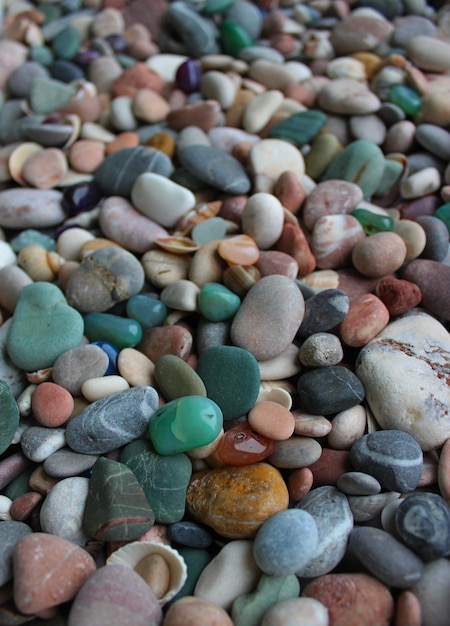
{"x": 62, "y": 511}
{"x": 329, "y": 390}
{"x": 73, "y": 367}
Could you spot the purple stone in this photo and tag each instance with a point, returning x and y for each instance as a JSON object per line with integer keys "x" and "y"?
{"x": 117, "y": 42}
{"x": 188, "y": 76}
{"x": 80, "y": 198}
{"x": 84, "y": 58}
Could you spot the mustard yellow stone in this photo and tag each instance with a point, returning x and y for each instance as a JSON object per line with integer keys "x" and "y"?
{"x": 164, "y": 142}
{"x": 236, "y": 501}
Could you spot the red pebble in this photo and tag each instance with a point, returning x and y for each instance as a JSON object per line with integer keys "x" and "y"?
{"x": 293, "y": 241}
{"x": 289, "y": 191}
{"x": 136, "y": 77}
{"x": 23, "y": 505}
{"x": 161, "y": 340}
{"x": 397, "y": 294}
{"x": 331, "y": 465}
{"x": 51, "y": 404}
{"x": 366, "y": 317}
{"x": 299, "y": 483}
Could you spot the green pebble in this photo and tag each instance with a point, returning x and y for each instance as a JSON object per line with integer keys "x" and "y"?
{"x": 217, "y": 303}
{"x": 164, "y": 479}
{"x": 125, "y": 60}
{"x": 373, "y": 222}
{"x": 120, "y": 331}
{"x": 184, "y": 424}
{"x": 42, "y": 55}
{"x": 175, "y": 378}
{"x": 443, "y": 213}
{"x": 393, "y": 170}
{"x": 43, "y": 327}
{"x": 48, "y": 95}
{"x": 213, "y": 229}
{"x": 362, "y": 163}
{"x": 406, "y": 98}
{"x": 196, "y": 560}
{"x": 66, "y": 43}
{"x": 232, "y": 378}
{"x": 146, "y": 309}
{"x": 248, "y": 609}
{"x": 324, "y": 148}
{"x": 9, "y": 416}
{"x": 234, "y": 38}
{"x": 216, "y": 6}
{"x": 30, "y": 236}
{"x": 52, "y": 12}
{"x": 299, "y": 128}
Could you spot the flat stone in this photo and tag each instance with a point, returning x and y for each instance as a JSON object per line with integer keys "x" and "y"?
{"x": 324, "y": 311}
{"x": 32, "y": 208}
{"x": 65, "y": 463}
{"x": 113, "y": 421}
{"x": 329, "y": 390}
{"x": 295, "y": 452}
{"x": 224, "y": 172}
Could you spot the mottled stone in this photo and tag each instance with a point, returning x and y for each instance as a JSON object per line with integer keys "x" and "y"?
{"x": 65, "y": 463}
{"x": 333, "y": 240}
{"x": 398, "y": 295}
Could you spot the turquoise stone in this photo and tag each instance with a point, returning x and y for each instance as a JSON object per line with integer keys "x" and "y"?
{"x": 232, "y": 378}
{"x": 184, "y": 424}
{"x": 234, "y": 38}
{"x": 51, "y": 12}
{"x": 120, "y": 331}
{"x": 66, "y": 43}
{"x": 125, "y": 60}
{"x": 48, "y": 95}
{"x": 146, "y": 309}
{"x": 443, "y": 213}
{"x": 362, "y": 163}
{"x": 217, "y": 303}
{"x": 30, "y": 236}
{"x": 209, "y": 230}
{"x": 393, "y": 170}
{"x": 164, "y": 479}
{"x": 406, "y": 98}
{"x": 20, "y": 484}
{"x": 299, "y": 128}
{"x": 9, "y": 416}
{"x": 41, "y": 54}
{"x": 373, "y": 222}
{"x": 216, "y": 6}
{"x": 116, "y": 506}
{"x": 43, "y": 327}
{"x": 248, "y": 609}
{"x": 176, "y": 378}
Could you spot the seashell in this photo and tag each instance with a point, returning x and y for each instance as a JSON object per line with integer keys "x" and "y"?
{"x": 56, "y": 130}
{"x": 40, "y": 376}
{"x": 162, "y": 567}
{"x": 38, "y": 263}
{"x": 178, "y": 245}
{"x": 276, "y": 391}
{"x": 321, "y": 279}
{"x": 18, "y": 158}
{"x": 202, "y": 212}
{"x": 240, "y": 278}
{"x": 73, "y": 178}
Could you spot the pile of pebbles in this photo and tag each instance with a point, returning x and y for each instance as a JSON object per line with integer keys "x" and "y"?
{"x": 224, "y": 313}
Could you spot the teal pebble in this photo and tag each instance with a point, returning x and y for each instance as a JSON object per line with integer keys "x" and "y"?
{"x": 9, "y": 416}
{"x": 147, "y": 309}
{"x": 249, "y": 609}
{"x": 217, "y": 303}
{"x": 48, "y": 95}
{"x": 185, "y": 424}
{"x": 213, "y": 229}
{"x": 164, "y": 479}
{"x": 120, "y": 331}
{"x": 299, "y": 128}
{"x": 43, "y": 327}
{"x": 443, "y": 213}
{"x": 234, "y": 38}
{"x": 42, "y": 55}
{"x": 30, "y": 236}
{"x": 66, "y": 43}
{"x": 393, "y": 170}
{"x": 196, "y": 560}
{"x": 216, "y": 6}
{"x": 406, "y": 98}
{"x": 232, "y": 378}
{"x": 125, "y": 61}
{"x": 20, "y": 484}
{"x": 51, "y": 12}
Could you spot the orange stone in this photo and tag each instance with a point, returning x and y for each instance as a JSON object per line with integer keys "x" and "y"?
{"x": 127, "y": 139}
{"x": 272, "y": 420}
{"x": 85, "y": 155}
{"x": 163, "y": 142}
{"x": 293, "y": 241}
{"x": 300, "y": 482}
{"x": 51, "y": 404}
{"x": 366, "y": 317}
{"x": 238, "y": 250}
{"x": 137, "y": 76}
{"x": 236, "y": 501}
{"x": 408, "y": 611}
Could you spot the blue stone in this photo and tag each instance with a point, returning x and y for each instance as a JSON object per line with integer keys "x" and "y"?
{"x": 112, "y": 352}
{"x": 147, "y": 309}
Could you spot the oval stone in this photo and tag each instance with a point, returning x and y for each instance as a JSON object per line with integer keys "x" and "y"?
{"x": 329, "y": 390}
{"x": 269, "y": 317}
{"x": 10, "y": 533}
{"x": 31, "y": 208}
{"x": 73, "y": 367}
{"x": 324, "y": 311}
{"x": 235, "y": 501}
{"x": 224, "y": 172}
{"x": 176, "y": 378}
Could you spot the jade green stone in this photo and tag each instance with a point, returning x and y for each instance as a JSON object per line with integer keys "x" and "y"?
{"x": 184, "y": 424}
{"x": 125, "y": 60}
{"x": 164, "y": 479}
{"x": 299, "y": 128}
{"x": 217, "y": 303}
{"x": 146, "y": 309}
{"x": 42, "y": 55}
{"x": 248, "y": 609}
{"x": 443, "y": 213}
{"x": 116, "y": 506}
{"x": 29, "y": 237}
{"x": 176, "y": 378}
{"x": 234, "y": 38}
{"x": 361, "y": 163}
{"x": 48, "y": 95}
{"x": 196, "y": 560}
{"x": 216, "y": 6}
{"x": 232, "y": 378}
{"x": 51, "y": 12}
{"x": 209, "y": 230}
{"x": 66, "y": 43}
{"x": 120, "y": 331}
{"x": 393, "y": 170}
{"x": 372, "y": 222}
{"x": 406, "y": 98}
{"x": 43, "y": 327}
{"x": 9, "y": 416}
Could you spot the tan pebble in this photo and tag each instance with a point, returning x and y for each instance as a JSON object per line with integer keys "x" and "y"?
{"x": 149, "y": 106}
{"x": 260, "y": 109}
{"x": 296, "y": 612}
{"x": 103, "y": 72}
{"x": 45, "y": 169}
{"x": 155, "y": 570}
{"x": 272, "y": 420}
{"x": 281, "y": 366}
{"x": 162, "y": 268}
{"x": 163, "y": 142}
{"x": 299, "y": 483}
{"x": 347, "y": 427}
{"x": 96, "y": 244}
{"x": 379, "y": 255}
{"x": 181, "y": 295}
{"x": 408, "y": 611}
{"x": 366, "y": 317}
{"x": 444, "y": 471}
{"x": 95, "y": 388}
{"x": 271, "y": 75}
{"x": 41, "y": 482}
{"x": 400, "y": 137}
{"x": 86, "y": 155}
{"x": 109, "y": 21}
{"x": 70, "y": 242}
{"x": 295, "y": 452}
{"x": 34, "y": 260}
{"x": 204, "y": 115}
{"x": 92, "y": 130}
{"x": 139, "y": 42}
{"x": 136, "y": 368}
{"x": 127, "y": 139}
{"x": 234, "y": 114}
{"x": 321, "y": 279}
{"x": 436, "y": 108}
{"x": 309, "y": 425}
{"x": 193, "y": 611}
{"x": 414, "y": 237}
{"x": 429, "y": 53}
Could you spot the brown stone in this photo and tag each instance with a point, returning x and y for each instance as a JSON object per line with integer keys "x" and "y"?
{"x": 23, "y": 505}
{"x": 293, "y": 242}
{"x": 299, "y": 483}
{"x": 276, "y": 262}
{"x": 397, "y": 294}
{"x": 161, "y": 340}
{"x": 379, "y": 255}
{"x": 433, "y": 280}
{"x": 352, "y": 599}
{"x": 205, "y": 115}
{"x": 366, "y": 317}
{"x": 289, "y": 191}
{"x": 408, "y": 611}
{"x": 331, "y": 465}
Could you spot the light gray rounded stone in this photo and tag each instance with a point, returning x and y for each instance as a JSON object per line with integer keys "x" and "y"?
{"x": 62, "y": 511}
{"x": 10, "y": 533}
{"x": 65, "y": 463}
{"x": 432, "y": 592}
{"x": 39, "y": 442}
{"x": 320, "y": 350}
{"x": 75, "y": 366}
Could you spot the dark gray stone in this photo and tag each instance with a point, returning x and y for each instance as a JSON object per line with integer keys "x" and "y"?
{"x": 436, "y": 247}
{"x": 190, "y": 534}
{"x": 324, "y": 311}
{"x": 328, "y": 390}
{"x": 10, "y": 533}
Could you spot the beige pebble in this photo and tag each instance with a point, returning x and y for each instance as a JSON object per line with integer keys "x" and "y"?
{"x": 155, "y": 570}
{"x": 136, "y": 368}
{"x": 108, "y": 22}
{"x": 271, "y": 75}
{"x": 296, "y": 612}
{"x": 414, "y": 237}
{"x": 121, "y": 114}
{"x": 45, "y": 169}
{"x": 263, "y": 219}
{"x": 346, "y": 96}
{"x": 429, "y": 53}
{"x": 421, "y": 183}
{"x": 379, "y": 255}
{"x": 282, "y": 366}
{"x": 400, "y": 137}
{"x": 346, "y": 67}
{"x": 295, "y": 452}
{"x": 103, "y": 72}
{"x": 309, "y": 425}
{"x": 70, "y": 243}
{"x": 190, "y": 610}
{"x": 181, "y": 295}
{"x": 260, "y": 109}
{"x": 436, "y": 108}
{"x": 91, "y": 130}
{"x": 38, "y": 263}
{"x": 162, "y": 268}
{"x": 271, "y": 420}
{"x": 347, "y": 427}
{"x": 207, "y": 266}
{"x": 149, "y": 106}
{"x": 218, "y": 86}
{"x": 95, "y": 388}
{"x": 86, "y": 155}
{"x": 269, "y": 158}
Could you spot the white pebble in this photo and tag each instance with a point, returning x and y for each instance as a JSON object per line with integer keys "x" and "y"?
{"x": 95, "y": 388}
{"x": 262, "y": 219}
{"x": 348, "y": 427}
{"x": 7, "y": 255}
{"x": 421, "y": 183}
{"x": 70, "y": 242}
{"x": 24, "y": 400}
{"x": 5, "y": 507}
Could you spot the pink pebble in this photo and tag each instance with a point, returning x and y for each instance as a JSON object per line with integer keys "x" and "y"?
{"x": 272, "y": 420}
{"x": 51, "y": 404}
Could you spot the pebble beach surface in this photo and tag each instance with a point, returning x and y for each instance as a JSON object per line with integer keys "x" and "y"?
{"x": 225, "y": 313}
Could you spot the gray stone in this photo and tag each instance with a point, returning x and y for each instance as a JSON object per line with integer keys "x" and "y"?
{"x": 62, "y": 511}
{"x": 328, "y": 390}
{"x": 366, "y": 508}
{"x": 13, "y": 376}
{"x": 320, "y": 350}
{"x": 432, "y": 593}
{"x": 358, "y": 484}
{"x": 10, "y": 533}
{"x": 197, "y": 33}
{"x": 74, "y": 367}
{"x": 434, "y": 139}
{"x": 324, "y": 311}
{"x": 39, "y": 442}
{"x": 65, "y": 463}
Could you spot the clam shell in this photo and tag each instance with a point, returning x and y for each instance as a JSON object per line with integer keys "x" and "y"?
{"x": 18, "y": 157}
{"x": 132, "y": 553}
{"x": 178, "y": 245}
